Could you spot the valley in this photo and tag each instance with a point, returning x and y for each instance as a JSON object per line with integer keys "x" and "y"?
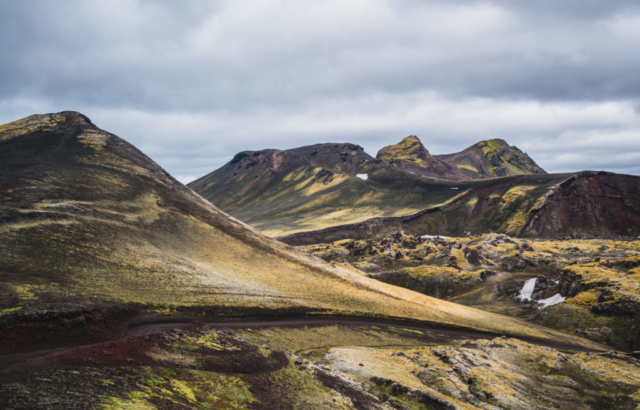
{"x": 123, "y": 288}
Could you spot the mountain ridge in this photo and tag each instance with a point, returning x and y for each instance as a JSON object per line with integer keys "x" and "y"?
{"x": 411, "y": 155}
{"x": 351, "y": 189}
{"x": 541, "y": 216}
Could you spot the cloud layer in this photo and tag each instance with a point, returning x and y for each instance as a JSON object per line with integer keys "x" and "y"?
{"x": 192, "y": 83}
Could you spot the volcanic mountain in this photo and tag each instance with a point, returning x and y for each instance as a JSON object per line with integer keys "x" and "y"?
{"x": 87, "y": 220}
{"x": 493, "y": 158}
{"x": 337, "y": 191}
{"x": 581, "y": 205}
{"x": 410, "y": 155}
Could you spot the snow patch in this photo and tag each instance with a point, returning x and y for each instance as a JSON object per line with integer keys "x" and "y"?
{"x": 553, "y": 300}
{"x": 363, "y": 177}
{"x": 527, "y": 290}
{"x": 434, "y": 236}
{"x": 455, "y": 188}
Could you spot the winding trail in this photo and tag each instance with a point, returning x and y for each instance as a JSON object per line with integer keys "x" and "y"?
{"x": 145, "y": 327}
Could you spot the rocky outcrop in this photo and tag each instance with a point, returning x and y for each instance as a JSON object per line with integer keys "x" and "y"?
{"x": 493, "y": 158}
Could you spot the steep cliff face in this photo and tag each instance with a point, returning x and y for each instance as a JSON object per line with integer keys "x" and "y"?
{"x": 589, "y": 203}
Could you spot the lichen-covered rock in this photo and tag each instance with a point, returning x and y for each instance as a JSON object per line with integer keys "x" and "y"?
{"x": 585, "y": 284}
{"x": 498, "y": 374}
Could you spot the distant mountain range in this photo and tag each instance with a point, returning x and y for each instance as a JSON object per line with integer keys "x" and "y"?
{"x": 328, "y": 191}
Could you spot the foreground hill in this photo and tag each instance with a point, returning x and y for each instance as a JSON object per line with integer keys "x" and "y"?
{"x": 87, "y": 220}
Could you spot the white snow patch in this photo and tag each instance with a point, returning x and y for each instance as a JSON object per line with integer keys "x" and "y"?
{"x": 434, "y": 236}
{"x": 527, "y": 290}
{"x": 455, "y": 188}
{"x": 363, "y": 177}
{"x": 553, "y": 300}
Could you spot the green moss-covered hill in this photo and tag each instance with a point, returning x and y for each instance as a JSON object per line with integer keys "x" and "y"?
{"x": 410, "y": 155}
{"x": 585, "y": 204}
{"x": 493, "y": 158}
{"x": 86, "y": 219}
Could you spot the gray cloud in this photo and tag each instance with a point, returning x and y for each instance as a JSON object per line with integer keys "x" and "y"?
{"x": 193, "y": 82}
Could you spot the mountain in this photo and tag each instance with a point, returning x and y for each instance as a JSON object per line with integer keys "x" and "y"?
{"x": 87, "y": 221}
{"x": 493, "y": 158}
{"x": 253, "y": 174}
{"x": 335, "y": 191}
{"x": 409, "y": 154}
{"x": 585, "y": 204}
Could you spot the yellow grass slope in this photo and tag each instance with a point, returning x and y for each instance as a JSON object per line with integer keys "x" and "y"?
{"x": 87, "y": 218}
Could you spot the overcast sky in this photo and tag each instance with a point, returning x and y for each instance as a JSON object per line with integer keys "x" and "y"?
{"x": 193, "y": 82}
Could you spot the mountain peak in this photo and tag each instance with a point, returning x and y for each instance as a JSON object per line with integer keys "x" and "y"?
{"x": 43, "y": 122}
{"x": 410, "y": 149}
{"x": 493, "y": 158}
{"x": 494, "y": 143}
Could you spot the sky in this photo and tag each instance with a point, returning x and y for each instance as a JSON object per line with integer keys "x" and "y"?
{"x": 191, "y": 83}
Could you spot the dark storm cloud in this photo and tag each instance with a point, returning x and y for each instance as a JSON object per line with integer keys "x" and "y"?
{"x": 193, "y": 82}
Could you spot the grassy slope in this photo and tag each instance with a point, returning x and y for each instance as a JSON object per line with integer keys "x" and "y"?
{"x": 591, "y": 203}
{"x": 87, "y": 219}
{"x": 299, "y": 195}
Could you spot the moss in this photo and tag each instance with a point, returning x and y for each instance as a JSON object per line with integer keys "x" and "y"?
{"x": 588, "y": 299}
{"x": 10, "y": 310}
{"x": 183, "y": 388}
{"x": 409, "y": 149}
{"x": 137, "y": 401}
{"x": 217, "y": 391}
{"x": 319, "y": 339}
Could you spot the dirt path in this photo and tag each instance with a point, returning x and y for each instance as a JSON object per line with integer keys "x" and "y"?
{"x": 145, "y": 327}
